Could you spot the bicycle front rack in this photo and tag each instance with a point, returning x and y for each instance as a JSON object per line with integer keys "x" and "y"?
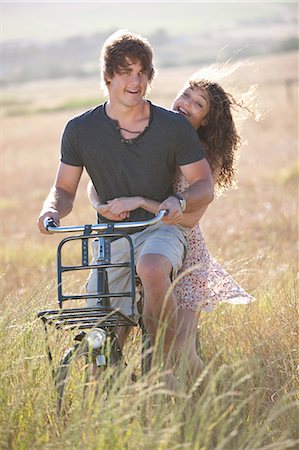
{"x": 102, "y": 315}
{"x": 85, "y": 318}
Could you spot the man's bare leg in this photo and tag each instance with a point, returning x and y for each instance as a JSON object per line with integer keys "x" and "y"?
{"x": 154, "y": 272}
{"x": 160, "y": 305}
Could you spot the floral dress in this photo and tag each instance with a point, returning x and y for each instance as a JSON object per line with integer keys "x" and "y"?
{"x": 202, "y": 283}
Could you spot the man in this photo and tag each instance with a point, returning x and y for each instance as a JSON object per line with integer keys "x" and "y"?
{"x": 130, "y": 147}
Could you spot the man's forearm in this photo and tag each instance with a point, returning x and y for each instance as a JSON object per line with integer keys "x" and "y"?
{"x": 58, "y": 200}
{"x": 198, "y": 195}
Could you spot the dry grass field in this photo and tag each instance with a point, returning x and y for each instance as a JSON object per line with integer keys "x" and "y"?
{"x": 250, "y": 401}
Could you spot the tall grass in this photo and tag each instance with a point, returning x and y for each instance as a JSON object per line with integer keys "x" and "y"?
{"x": 247, "y": 399}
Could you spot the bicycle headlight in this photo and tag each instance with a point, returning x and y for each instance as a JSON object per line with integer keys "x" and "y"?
{"x": 96, "y": 338}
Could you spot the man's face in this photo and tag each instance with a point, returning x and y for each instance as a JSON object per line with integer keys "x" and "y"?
{"x": 128, "y": 85}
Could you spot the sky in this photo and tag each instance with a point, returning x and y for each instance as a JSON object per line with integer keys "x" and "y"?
{"x": 48, "y": 21}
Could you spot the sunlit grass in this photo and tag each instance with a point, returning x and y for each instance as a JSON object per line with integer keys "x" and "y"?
{"x": 249, "y": 390}
{"x": 7, "y": 204}
{"x": 289, "y": 175}
{"x": 13, "y": 108}
{"x": 247, "y": 399}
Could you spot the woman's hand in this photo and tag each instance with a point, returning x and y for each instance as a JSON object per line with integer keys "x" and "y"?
{"x": 119, "y": 208}
{"x": 104, "y": 210}
{"x": 123, "y": 205}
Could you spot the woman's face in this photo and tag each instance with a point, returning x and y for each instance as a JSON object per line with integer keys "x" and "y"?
{"x": 193, "y": 103}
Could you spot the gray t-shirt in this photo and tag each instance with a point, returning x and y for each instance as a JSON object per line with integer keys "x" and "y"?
{"x": 144, "y": 166}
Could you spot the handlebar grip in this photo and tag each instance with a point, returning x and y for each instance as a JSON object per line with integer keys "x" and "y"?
{"x": 49, "y": 222}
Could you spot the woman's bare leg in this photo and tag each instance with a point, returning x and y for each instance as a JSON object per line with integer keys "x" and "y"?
{"x": 186, "y": 357}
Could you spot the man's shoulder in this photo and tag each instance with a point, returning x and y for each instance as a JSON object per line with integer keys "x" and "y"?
{"x": 87, "y": 116}
{"x": 169, "y": 115}
{"x": 162, "y": 111}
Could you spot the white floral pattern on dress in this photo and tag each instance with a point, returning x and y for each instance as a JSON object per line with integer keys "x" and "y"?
{"x": 205, "y": 283}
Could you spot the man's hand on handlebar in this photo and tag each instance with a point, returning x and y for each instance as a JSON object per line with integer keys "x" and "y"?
{"x": 175, "y": 214}
{"x": 51, "y": 214}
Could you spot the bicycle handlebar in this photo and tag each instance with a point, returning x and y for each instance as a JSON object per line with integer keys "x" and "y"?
{"x": 52, "y": 227}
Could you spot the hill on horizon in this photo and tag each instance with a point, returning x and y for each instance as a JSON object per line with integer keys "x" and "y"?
{"x": 198, "y": 34}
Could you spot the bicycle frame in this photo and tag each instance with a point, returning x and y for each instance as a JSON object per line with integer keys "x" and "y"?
{"x": 101, "y": 321}
{"x": 102, "y": 316}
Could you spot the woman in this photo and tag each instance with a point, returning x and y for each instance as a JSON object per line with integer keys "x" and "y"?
{"x": 205, "y": 283}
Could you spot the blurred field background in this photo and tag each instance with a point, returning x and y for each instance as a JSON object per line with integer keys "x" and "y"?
{"x": 250, "y": 401}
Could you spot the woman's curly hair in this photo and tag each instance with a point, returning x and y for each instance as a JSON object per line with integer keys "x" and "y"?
{"x": 219, "y": 137}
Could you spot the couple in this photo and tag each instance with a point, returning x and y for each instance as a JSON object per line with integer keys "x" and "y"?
{"x": 133, "y": 150}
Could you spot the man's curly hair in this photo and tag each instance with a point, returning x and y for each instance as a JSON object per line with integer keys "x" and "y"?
{"x": 122, "y": 45}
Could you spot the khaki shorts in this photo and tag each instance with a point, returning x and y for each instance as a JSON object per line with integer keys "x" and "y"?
{"x": 161, "y": 239}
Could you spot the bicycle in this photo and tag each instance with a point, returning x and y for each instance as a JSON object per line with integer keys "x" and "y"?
{"x": 95, "y": 347}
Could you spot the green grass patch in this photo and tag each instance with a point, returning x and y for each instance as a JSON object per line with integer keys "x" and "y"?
{"x": 289, "y": 175}
{"x": 13, "y": 101}
{"x": 17, "y": 109}
{"x": 7, "y": 204}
